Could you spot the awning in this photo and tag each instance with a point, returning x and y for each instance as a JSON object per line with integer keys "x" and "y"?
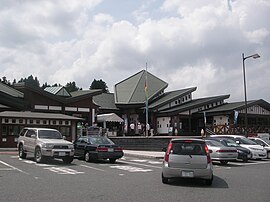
{"x": 112, "y": 117}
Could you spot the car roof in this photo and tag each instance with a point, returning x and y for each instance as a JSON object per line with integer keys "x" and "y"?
{"x": 234, "y": 136}
{"x": 186, "y": 139}
{"x": 30, "y": 128}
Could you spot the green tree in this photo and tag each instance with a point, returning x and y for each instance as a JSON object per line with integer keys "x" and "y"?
{"x": 99, "y": 84}
{"x": 31, "y": 81}
{"x": 71, "y": 87}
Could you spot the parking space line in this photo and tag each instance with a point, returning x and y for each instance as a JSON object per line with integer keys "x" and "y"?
{"x": 151, "y": 166}
{"x": 14, "y": 168}
{"x": 92, "y": 167}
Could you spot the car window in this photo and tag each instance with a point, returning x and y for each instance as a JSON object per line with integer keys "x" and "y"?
{"x": 23, "y": 131}
{"x": 214, "y": 143}
{"x": 99, "y": 140}
{"x": 230, "y": 143}
{"x": 259, "y": 142}
{"x": 246, "y": 141}
{"x": 183, "y": 148}
{"x": 30, "y": 132}
{"x": 49, "y": 134}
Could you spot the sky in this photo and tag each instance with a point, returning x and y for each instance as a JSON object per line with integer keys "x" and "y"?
{"x": 186, "y": 43}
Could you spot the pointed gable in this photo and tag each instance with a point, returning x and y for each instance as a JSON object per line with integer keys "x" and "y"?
{"x": 131, "y": 90}
{"x": 58, "y": 90}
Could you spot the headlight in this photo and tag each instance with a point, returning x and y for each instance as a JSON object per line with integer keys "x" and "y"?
{"x": 47, "y": 146}
{"x": 71, "y": 146}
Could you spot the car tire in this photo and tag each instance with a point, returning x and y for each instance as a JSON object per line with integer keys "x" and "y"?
{"x": 22, "y": 154}
{"x": 165, "y": 180}
{"x": 112, "y": 160}
{"x": 245, "y": 159}
{"x": 68, "y": 159}
{"x": 87, "y": 156}
{"x": 224, "y": 162}
{"x": 209, "y": 182}
{"x": 38, "y": 155}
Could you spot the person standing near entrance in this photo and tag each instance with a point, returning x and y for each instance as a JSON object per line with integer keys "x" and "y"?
{"x": 139, "y": 128}
{"x": 132, "y": 128}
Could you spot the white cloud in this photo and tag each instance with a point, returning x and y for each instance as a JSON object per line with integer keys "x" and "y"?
{"x": 186, "y": 43}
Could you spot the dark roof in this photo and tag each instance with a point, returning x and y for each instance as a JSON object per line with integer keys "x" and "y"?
{"x": 105, "y": 101}
{"x": 239, "y": 106}
{"x": 13, "y": 114}
{"x": 132, "y": 89}
{"x": 170, "y": 96}
{"x": 10, "y": 91}
{"x": 194, "y": 104}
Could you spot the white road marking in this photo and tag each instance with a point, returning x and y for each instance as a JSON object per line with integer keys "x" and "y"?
{"x": 14, "y": 168}
{"x": 6, "y": 169}
{"x": 131, "y": 169}
{"x": 63, "y": 171}
{"x": 151, "y": 166}
{"x": 92, "y": 168}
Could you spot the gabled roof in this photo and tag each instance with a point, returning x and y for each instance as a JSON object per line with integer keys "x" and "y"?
{"x": 131, "y": 90}
{"x": 194, "y": 104}
{"x": 169, "y": 97}
{"x": 239, "y": 106}
{"x": 10, "y": 91}
{"x": 58, "y": 90}
{"x": 105, "y": 101}
{"x": 111, "y": 117}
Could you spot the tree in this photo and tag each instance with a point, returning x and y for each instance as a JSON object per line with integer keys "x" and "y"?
{"x": 71, "y": 87}
{"x": 99, "y": 84}
{"x": 31, "y": 81}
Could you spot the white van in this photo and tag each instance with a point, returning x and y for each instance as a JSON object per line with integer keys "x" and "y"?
{"x": 257, "y": 151}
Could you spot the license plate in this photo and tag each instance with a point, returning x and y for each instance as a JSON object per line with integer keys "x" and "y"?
{"x": 187, "y": 174}
{"x": 62, "y": 153}
{"x": 110, "y": 150}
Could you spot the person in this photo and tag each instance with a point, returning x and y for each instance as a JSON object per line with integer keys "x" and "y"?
{"x": 132, "y": 128}
{"x": 147, "y": 129}
{"x": 139, "y": 128}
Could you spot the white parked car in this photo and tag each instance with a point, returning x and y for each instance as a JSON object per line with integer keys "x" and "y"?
{"x": 263, "y": 142}
{"x": 257, "y": 151}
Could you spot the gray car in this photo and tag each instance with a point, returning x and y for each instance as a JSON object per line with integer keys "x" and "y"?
{"x": 221, "y": 153}
{"x": 187, "y": 158}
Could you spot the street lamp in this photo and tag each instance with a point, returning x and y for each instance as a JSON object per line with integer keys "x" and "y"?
{"x": 254, "y": 56}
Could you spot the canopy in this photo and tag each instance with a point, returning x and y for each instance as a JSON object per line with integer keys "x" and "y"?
{"x": 112, "y": 117}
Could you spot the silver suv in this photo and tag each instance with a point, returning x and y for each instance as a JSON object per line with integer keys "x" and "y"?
{"x": 44, "y": 143}
{"x": 187, "y": 158}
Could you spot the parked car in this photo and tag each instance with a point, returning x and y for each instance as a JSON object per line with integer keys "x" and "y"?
{"x": 221, "y": 153}
{"x": 187, "y": 158}
{"x": 243, "y": 153}
{"x": 44, "y": 143}
{"x": 263, "y": 142}
{"x": 257, "y": 151}
{"x": 97, "y": 147}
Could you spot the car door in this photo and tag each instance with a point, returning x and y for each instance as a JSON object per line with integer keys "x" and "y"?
{"x": 30, "y": 140}
{"x": 79, "y": 146}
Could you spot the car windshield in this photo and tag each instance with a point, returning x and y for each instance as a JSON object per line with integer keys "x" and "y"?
{"x": 214, "y": 143}
{"x": 230, "y": 143}
{"x": 247, "y": 141}
{"x": 188, "y": 148}
{"x": 99, "y": 140}
{"x": 49, "y": 134}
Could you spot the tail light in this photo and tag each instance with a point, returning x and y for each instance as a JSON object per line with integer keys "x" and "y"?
{"x": 166, "y": 157}
{"x": 102, "y": 149}
{"x": 208, "y": 154}
{"x": 118, "y": 149}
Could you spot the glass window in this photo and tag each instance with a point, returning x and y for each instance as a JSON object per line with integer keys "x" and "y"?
{"x": 65, "y": 131}
{"x": 4, "y": 130}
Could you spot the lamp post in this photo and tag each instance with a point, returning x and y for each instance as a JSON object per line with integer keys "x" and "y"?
{"x": 254, "y": 56}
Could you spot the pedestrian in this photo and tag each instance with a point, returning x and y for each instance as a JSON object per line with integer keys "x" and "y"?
{"x": 139, "y": 128}
{"x": 132, "y": 128}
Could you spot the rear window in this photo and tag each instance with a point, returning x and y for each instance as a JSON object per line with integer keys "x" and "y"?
{"x": 188, "y": 148}
{"x": 99, "y": 140}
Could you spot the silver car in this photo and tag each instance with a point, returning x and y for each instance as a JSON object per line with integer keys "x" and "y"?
{"x": 220, "y": 152}
{"x": 187, "y": 158}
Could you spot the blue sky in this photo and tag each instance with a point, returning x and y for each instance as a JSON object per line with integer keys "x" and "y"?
{"x": 185, "y": 43}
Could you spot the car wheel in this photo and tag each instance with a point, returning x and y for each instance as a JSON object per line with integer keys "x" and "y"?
{"x": 112, "y": 160}
{"x": 87, "y": 156}
{"x": 209, "y": 182}
{"x": 68, "y": 159}
{"x": 165, "y": 180}
{"x": 245, "y": 159}
{"x": 38, "y": 155}
{"x": 22, "y": 154}
{"x": 223, "y": 162}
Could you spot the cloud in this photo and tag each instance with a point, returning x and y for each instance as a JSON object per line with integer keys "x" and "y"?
{"x": 185, "y": 43}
